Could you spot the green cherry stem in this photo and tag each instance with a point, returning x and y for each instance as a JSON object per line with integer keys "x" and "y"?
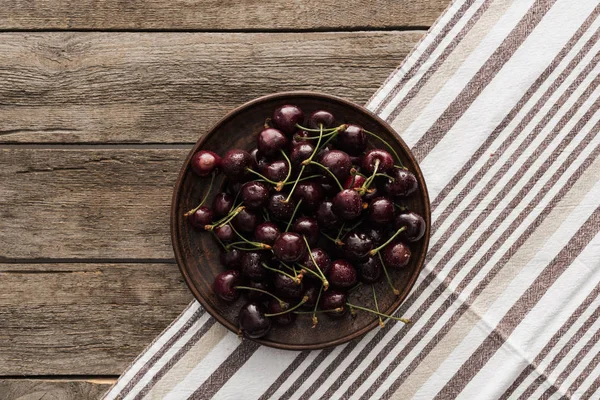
{"x": 281, "y": 302}
{"x": 325, "y": 282}
{"x": 295, "y": 183}
{"x": 381, "y": 324}
{"x": 369, "y": 180}
{"x": 340, "y": 232}
{"x": 387, "y": 276}
{"x": 315, "y": 320}
{"x": 387, "y": 145}
{"x": 304, "y": 164}
{"x": 191, "y": 212}
{"x": 336, "y": 241}
{"x": 304, "y": 300}
{"x": 284, "y": 182}
{"x": 316, "y": 130}
{"x": 262, "y": 177}
{"x": 305, "y": 179}
{"x": 377, "y": 249}
{"x": 226, "y": 219}
{"x": 287, "y": 228}
{"x": 297, "y": 279}
{"x": 334, "y": 132}
{"x": 329, "y": 172}
{"x": 406, "y": 321}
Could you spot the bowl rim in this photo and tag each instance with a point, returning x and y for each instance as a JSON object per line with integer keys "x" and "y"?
{"x": 176, "y": 196}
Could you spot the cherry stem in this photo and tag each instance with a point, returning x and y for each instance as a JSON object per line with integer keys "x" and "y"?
{"x": 283, "y": 182}
{"x": 387, "y": 144}
{"x": 376, "y": 250}
{"x": 369, "y": 180}
{"x": 225, "y": 219}
{"x": 386, "y": 175}
{"x": 329, "y": 172}
{"x": 381, "y": 324}
{"x": 303, "y": 269}
{"x": 315, "y": 320}
{"x": 387, "y": 276}
{"x": 259, "y": 245}
{"x": 325, "y": 282}
{"x": 401, "y": 207}
{"x": 297, "y": 279}
{"x": 287, "y": 228}
{"x": 316, "y": 130}
{"x": 337, "y": 310}
{"x": 378, "y": 313}
{"x": 333, "y": 132}
{"x": 340, "y": 232}
{"x": 336, "y": 241}
{"x": 263, "y": 177}
{"x": 305, "y": 178}
{"x": 295, "y": 183}
{"x": 304, "y": 300}
{"x": 191, "y": 212}
{"x": 281, "y": 302}
{"x": 305, "y": 163}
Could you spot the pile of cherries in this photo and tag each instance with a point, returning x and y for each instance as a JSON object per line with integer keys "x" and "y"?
{"x": 306, "y": 217}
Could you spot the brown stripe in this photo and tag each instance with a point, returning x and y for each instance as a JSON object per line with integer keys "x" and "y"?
{"x": 307, "y": 372}
{"x": 596, "y": 384}
{"x": 158, "y": 355}
{"x": 534, "y": 365}
{"x": 175, "y": 359}
{"x": 285, "y": 375}
{"x": 225, "y": 371}
{"x": 525, "y": 303}
{"x": 482, "y": 78}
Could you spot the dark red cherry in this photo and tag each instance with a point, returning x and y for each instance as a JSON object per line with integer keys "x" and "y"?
{"x": 204, "y": 162}
{"x": 255, "y": 295}
{"x": 338, "y": 162}
{"x": 225, "y": 283}
{"x": 396, "y": 254}
{"x": 357, "y": 245}
{"x": 356, "y": 160}
{"x": 252, "y": 321}
{"x": 286, "y": 117}
{"x": 381, "y": 211}
{"x": 252, "y": 265}
{"x": 222, "y": 204}
{"x": 414, "y": 223}
{"x": 404, "y": 183}
{"x": 376, "y": 234}
{"x": 307, "y": 227}
{"x": 347, "y": 204}
{"x": 332, "y": 299}
{"x": 246, "y": 221}
{"x": 275, "y": 307}
{"x": 342, "y": 274}
{"x": 235, "y": 163}
{"x": 354, "y": 182}
{"x": 325, "y": 215}
{"x": 279, "y": 209}
{"x": 276, "y": 171}
{"x": 266, "y": 233}
{"x": 372, "y": 193}
{"x": 287, "y": 287}
{"x": 259, "y": 160}
{"x": 289, "y": 247}
{"x": 203, "y": 216}
{"x": 321, "y": 117}
{"x": 386, "y": 161}
{"x": 254, "y": 194}
{"x": 231, "y": 259}
{"x": 225, "y": 233}
{"x": 311, "y": 193}
{"x": 300, "y": 152}
{"x": 299, "y": 137}
{"x": 369, "y": 270}
{"x": 352, "y": 140}
{"x": 311, "y": 290}
{"x": 271, "y": 141}
{"x": 322, "y": 260}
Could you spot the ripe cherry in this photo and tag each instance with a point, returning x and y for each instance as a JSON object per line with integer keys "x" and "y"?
{"x": 280, "y": 209}
{"x": 259, "y": 160}
{"x": 266, "y": 232}
{"x": 246, "y": 221}
{"x": 225, "y": 233}
{"x": 338, "y": 162}
{"x": 204, "y": 162}
{"x": 235, "y": 163}
{"x": 334, "y": 299}
{"x": 252, "y": 267}
{"x": 352, "y": 140}
{"x": 311, "y": 193}
{"x": 275, "y": 307}
{"x": 254, "y": 194}
{"x": 271, "y": 141}
{"x": 276, "y": 171}
{"x": 286, "y": 117}
{"x": 202, "y": 217}
{"x": 287, "y": 287}
{"x": 354, "y": 182}
{"x": 311, "y": 290}
{"x": 257, "y": 295}
{"x": 289, "y": 247}
{"x": 231, "y": 259}
{"x": 225, "y": 283}
{"x": 381, "y": 211}
{"x": 252, "y": 321}
{"x": 357, "y": 245}
{"x": 404, "y": 183}
{"x": 307, "y": 227}
{"x": 414, "y": 223}
{"x": 300, "y": 152}
{"x": 322, "y": 260}
{"x": 369, "y": 270}
{"x": 376, "y": 234}
{"x": 325, "y": 215}
{"x": 222, "y": 204}
{"x": 342, "y": 274}
{"x": 347, "y": 204}
{"x": 321, "y": 117}
{"x": 396, "y": 254}
{"x": 370, "y": 159}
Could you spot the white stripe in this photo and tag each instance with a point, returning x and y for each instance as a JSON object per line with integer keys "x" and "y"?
{"x": 593, "y": 377}
{"x": 296, "y": 374}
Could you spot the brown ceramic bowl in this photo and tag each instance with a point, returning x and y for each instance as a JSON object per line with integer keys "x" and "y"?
{"x": 197, "y": 253}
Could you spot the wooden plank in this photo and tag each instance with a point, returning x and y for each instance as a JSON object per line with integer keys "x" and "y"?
{"x": 101, "y": 204}
{"x": 217, "y": 15}
{"x": 171, "y": 87}
{"x": 83, "y": 319}
{"x": 37, "y": 389}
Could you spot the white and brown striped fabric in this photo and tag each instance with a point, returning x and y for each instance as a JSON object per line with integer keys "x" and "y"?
{"x": 500, "y": 104}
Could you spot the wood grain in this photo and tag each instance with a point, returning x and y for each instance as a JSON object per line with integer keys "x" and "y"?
{"x": 83, "y": 319}
{"x": 217, "y": 14}
{"x": 35, "y": 389}
{"x": 172, "y": 87}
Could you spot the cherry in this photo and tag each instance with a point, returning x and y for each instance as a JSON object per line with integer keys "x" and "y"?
{"x": 255, "y": 194}
{"x": 276, "y": 171}
{"x": 225, "y": 283}
{"x": 354, "y": 182}
{"x": 259, "y": 160}
{"x": 325, "y": 215}
{"x": 275, "y": 307}
{"x": 202, "y": 217}
{"x": 334, "y": 299}
{"x": 322, "y": 260}
{"x": 381, "y": 211}
{"x": 279, "y": 208}
{"x": 396, "y": 254}
{"x": 300, "y": 152}
{"x": 287, "y": 287}
{"x": 376, "y": 234}
{"x": 404, "y": 183}
{"x": 347, "y": 204}
{"x": 232, "y": 259}
{"x": 225, "y": 233}
{"x": 353, "y": 140}
{"x": 222, "y": 204}
{"x": 338, "y": 162}
{"x": 252, "y": 265}
{"x": 342, "y": 274}
{"x": 370, "y": 159}
{"x": 258, "y": 295}
{"x": 311, "y": 193}
{"x": 246, "y": 221}
{"x": 235, "y": 163}
{"x": 307, "y": 227}
{"x": 321, "y": 118}
{"x": 204, "y": 162}
{"x": 369, "y": 270}
{"x": 286, "y": 117}
{"x": 414, "y": 223}
{"x": 289, "y": 247}
{"x": 299, "y": 137}
{"x": 266, "y": 232}
{"x": 357, "y": 245}
{"x": 271, "y": 141}
{"x": 356, "y": 160}
{"x": 312, "y": 292}
{"x": 252, "y": 321}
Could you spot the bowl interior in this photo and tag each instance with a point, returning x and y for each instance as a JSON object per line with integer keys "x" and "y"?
{"x": 197, "y": 253}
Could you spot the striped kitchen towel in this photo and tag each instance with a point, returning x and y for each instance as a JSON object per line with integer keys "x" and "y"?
{"x": 499, "y": 103}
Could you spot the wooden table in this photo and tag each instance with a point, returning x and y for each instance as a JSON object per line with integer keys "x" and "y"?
{"x": 99, "y": 104}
